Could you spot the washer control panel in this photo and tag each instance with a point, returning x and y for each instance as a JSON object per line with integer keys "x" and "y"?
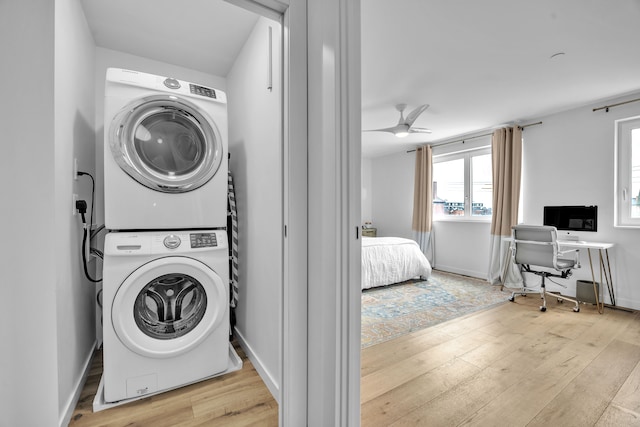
{"x": 177, "y": 242}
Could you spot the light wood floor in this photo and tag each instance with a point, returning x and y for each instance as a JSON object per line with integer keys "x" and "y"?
{"x": 236, "y": 399}
{"x": 509, "y": 366}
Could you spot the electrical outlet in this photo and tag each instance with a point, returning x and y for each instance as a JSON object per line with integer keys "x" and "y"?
{"x": 74, "y": 200}
{"x": 75, "y": 171}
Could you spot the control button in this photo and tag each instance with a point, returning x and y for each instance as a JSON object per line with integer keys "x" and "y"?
{"x": 172, "y": 241}
{"x": 172, "y": 83}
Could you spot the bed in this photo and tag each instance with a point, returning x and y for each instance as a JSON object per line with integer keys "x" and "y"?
{"x": 388, "y": 260}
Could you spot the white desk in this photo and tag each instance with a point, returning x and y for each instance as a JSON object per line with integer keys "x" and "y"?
{"x": 605, "y": 268}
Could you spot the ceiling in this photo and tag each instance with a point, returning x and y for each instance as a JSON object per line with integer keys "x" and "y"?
{"x": 203, "y": 35}
{"x": 490, "y": 62}
{"x": 479, "y": 66}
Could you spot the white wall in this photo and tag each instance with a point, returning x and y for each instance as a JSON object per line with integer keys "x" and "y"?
{"x": 74, "y": 136}
{"x": 392, "y": 180}
{"x": 45, "y": 124}
{"x": 366, "y": 192}
{"x": 568, "y": 160}
{"x": 255, "y": 145}
{"x": 462, "y": 247}
{"x": 456, "y": 243}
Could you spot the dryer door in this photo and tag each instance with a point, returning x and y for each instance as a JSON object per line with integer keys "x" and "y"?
{"x": 166, "y": 143}
{"x": 168, "y": 307}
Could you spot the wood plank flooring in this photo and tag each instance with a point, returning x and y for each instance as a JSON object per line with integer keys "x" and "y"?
{"x": 236, "y": 399}
{"x": 511, "y": 365}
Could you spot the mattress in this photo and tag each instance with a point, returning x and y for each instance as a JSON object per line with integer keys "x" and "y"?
{"x": 388, "y": 260}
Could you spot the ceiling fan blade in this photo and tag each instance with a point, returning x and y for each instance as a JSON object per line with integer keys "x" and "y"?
{"x": 415, "y": 113}
{"x": 419, "y": 130}
{"x": 391, "y": 130}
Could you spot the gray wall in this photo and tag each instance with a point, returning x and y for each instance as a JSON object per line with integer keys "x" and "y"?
{"x": 255, "y": 144}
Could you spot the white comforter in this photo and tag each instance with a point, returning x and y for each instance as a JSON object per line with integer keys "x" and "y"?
{"x": 387, "y": 260}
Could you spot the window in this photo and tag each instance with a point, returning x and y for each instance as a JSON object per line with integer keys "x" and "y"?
{"x": 627, "y": 175}
{"x": 463, "y": 185}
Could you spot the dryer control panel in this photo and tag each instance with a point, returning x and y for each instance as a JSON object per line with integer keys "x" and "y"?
{"x": 203, "y": 240}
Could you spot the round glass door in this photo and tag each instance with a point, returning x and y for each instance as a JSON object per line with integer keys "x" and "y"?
{"x": 166, "y": 144}
{"x": 168, "y": 306}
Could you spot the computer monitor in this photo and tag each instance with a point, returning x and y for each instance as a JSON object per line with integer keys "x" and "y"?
{"x": 573, "y": 218}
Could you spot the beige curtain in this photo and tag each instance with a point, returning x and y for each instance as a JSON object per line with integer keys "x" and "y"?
{"x": 422, "y": 200}
{"x": 506, "y": 150}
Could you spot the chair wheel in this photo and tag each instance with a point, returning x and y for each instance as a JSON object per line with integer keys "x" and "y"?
{"x": 560, "y": 300}
{"x": 576, "y": 309}
{"x": 512, "y": 299}
{"x": 543, "y": 309}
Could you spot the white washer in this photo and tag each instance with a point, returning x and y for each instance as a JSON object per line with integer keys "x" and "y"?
{"x": 166, "y": 310}
{"x": 165, "y": 149}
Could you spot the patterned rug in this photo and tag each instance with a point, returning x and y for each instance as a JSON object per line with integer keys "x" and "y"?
{"x": 392, "y": 311}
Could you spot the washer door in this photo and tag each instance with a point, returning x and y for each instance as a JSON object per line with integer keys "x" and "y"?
{"x": 166, "y": 144}
{"x": 168, "y": 306}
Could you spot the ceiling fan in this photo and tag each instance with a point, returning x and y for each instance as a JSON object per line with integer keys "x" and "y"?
{"x": 405, "y": 126}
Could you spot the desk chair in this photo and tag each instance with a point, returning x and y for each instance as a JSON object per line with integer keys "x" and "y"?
{"x": 534, "y": 245}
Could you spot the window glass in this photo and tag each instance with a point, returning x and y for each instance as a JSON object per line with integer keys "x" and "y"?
{"x": 448, "y": 188}
{"x": 482, "y": 182}
{"x": 463, "y": 185}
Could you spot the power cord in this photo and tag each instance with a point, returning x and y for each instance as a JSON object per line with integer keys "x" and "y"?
{"x": 81, "y": 206}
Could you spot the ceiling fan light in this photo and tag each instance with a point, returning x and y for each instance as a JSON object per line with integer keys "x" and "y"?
{"x": 401, "y": 133}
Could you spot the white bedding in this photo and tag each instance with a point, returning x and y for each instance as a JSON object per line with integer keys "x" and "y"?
{"x": 387, "y": 260}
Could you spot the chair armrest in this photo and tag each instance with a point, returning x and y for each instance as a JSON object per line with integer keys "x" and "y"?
{"x": 533, "y": 242}
{"x": 576, "y": 256}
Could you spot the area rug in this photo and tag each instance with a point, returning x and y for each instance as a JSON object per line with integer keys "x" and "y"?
{"x": 392, "y": 311}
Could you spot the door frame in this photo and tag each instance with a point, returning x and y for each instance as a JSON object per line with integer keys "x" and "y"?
{"x": 320, "y": 383}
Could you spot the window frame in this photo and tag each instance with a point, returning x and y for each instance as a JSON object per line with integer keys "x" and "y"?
{"x": 467, "y": 155}
{"x": 623, "y": 173}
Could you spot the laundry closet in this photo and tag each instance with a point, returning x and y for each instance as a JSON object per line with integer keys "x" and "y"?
{"x": 253, "y": 88}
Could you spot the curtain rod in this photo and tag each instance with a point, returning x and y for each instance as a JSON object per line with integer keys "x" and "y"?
{"x": 473, "y": 137}
{"x": 606, "y": 107}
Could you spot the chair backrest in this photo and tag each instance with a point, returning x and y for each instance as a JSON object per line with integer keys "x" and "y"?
{"x": 535, "y": 245}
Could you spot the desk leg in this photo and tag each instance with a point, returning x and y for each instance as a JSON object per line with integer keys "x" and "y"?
{"x": 595, "y": 286}
{"x": 607, "y": 276}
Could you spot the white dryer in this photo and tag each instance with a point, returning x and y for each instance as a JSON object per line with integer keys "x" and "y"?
{"x": 165, "y": 149}
{"x": 166, "y": 310}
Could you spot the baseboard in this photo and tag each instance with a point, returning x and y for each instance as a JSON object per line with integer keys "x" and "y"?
{"x": 470, "y": 273}
{"x": 271, "y": 383}
{"x": 65, "y": 419}
{"x": 625, "y": 303}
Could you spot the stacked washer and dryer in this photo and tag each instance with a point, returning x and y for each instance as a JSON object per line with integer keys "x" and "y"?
{"x": 166, "y": 260}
